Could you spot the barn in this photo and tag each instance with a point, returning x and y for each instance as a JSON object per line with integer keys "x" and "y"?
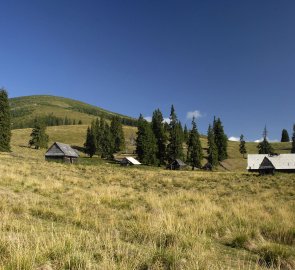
{"x": 176, "y": 164}
{"x": 268, "y": 164}
{"x": 126, "y": 161}
{"x": 61, "y": 152}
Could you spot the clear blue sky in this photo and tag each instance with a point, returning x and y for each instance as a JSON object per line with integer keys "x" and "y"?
{"x": 233, "y": 59}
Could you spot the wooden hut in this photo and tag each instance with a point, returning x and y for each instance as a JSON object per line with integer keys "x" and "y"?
{"x": 127, "y": 161}
{"x": 176, "y": 164}
{"x": 61, "y": 152}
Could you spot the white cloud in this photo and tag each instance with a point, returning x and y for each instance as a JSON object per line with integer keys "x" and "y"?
{"x": 269, "y": 140}
{"x": 234, "y": 139}
{"x": 166, "y": 120}
{"x": 196, "y": 114}
{"x": 148, "y": 118}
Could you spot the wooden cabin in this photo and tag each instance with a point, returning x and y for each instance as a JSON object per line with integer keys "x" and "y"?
{"x": 129, "y": 161}
{"x": 176, "y": 164}
{"x": 268, "y": 164}
{"x": 61, "y": 152}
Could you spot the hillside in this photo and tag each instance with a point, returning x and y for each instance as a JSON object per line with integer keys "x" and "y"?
{"x": 57, "y": 110}
{"x": 103, "y": 216}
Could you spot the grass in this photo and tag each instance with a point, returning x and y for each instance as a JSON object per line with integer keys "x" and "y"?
{"x": 103, "y": 216}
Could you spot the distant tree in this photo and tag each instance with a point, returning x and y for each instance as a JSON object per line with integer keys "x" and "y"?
{"x": 174, "y": 148}
{"x": 285, "y": 136}
{"x": 195, "y": 152}
{"x": 264, "y": 147}
{"x": 39, "y": 138}
{"x": 5, "y": 124}
{"x": 242, "y": 146}
{"x": 105, "y": 142}
{"x": 212, "y": 149}
{"x": 293, "y": 140}
{"x": 80, "y": 122}
{"x": 90, "y": 144}
{"x": 185, "y": 134}
{"x": 146, "y": 144}
{"x": 220, "y": 139}
{"x": 117, "y": 134}
{"x": 160, "y": 135}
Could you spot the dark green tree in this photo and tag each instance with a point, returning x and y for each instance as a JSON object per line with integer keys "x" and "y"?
{"x": 175, "y": 140}
{"x": 285, "y": 136}
{"x": 220, "y": 139}
{"x": 212, "y": 149}
{"x": 185, "y": 134}
{"x": 117, "y": 134}
{"x": 90, "y": 144}
{"x": 39, "y": 138}
{"x": 5, "y": 124}
{"x": 293, "y": 140}
{"x": 264, "y": 147}
{"x": 242, "y": 146}
{"x": 105, "y": 140}
{"x": 160, "y": 135}
{"x": 194, "y": 152}
{"x": 146, "y": 144}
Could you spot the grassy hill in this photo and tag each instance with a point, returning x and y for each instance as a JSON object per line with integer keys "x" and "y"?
{"x": 103, "y": 216}
{"x": 25, "y": 109}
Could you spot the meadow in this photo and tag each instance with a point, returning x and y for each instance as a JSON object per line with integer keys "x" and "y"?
{"x": 103, "y": 216}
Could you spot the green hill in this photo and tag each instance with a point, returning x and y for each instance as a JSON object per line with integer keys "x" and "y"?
{"x": 57, "y": 111}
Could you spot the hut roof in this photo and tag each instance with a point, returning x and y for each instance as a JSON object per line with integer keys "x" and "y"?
{"x": 61, "y": 149}
{"x": 131, "y": 160}
{"x": 179, "y": 162}
{"x": 280, "y": 162}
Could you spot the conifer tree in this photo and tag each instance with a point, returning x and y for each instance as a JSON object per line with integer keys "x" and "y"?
{"x": 285, "y": 136}
{"x": 185, "y": 134}
{"x": 5, "y": 125}
{"x": 90, "y": 144}
{"x": 160, "y": 135}
{"x": 117, "y": 134}
{"x": 146, "y": 144}
{"x": 212, "y": 149}
{"x": 195, "y": 152}
{"x": 293, "y": 140}
{"x": 105, "y": 140}
{"x": 39, "y": 138}
{"x": 242, "y": 146}
{"x": 174, "y": 148}
{"x": 220, "y": 139}
{"x": 264, "y": 147}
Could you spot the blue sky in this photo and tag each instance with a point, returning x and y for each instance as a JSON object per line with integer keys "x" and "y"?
{"x": 233, "y": 59}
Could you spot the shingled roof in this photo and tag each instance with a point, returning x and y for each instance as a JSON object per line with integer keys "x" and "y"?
{"x": 60, "y": 149}
{"x": 280, "y": 162}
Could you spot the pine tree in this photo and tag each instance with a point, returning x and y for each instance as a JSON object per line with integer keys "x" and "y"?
{"x": 293, "y": 140}
{"x": 117, "y": 134}
{"x": 195, "y": 152}
{"x": 242, "y": 146}
{"x": 90, "y": 144}
{"x": 174, "y": 148}
{"x": 5, "y": 125}
{"x": 146, "y": 144}
{"x": 264, "y": 147}
{"x": 160, "y": 135}
{"x": 104, "y": 139}
{"x": 39, "y": 138}
{"x": 285, "y": 136}
{"x": 220, "y": 139}
{"x": 212, "y": 149}
{"x": 185, "y": 134}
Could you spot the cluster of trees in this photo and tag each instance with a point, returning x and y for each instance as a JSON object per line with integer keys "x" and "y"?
{"x": 104, "y": 139}
{"x": 5, "y": 124}
{"x": 159, "y": 143}
{"x": 39, "y": 138}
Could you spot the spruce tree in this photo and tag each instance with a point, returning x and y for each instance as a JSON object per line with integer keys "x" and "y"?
{"x": 174, "y": 148}
{"x": 185, "y": 134}
{"x": 242, "y": 146}
{"x": 212, "y": 149}
{"x": 5, "y": 125}
{"x": 105, "y": 140}
{"x": 293, "y": 140}
{"x": 195, "y": 152}
{"x": 90, "y": 144}
{"x": 117, "y": 134}
{"x": 146, "y": 144}
{"x": 285, "y": 136}
{"x": 160, "y": 135}
{"x": 220, "y": 139}
{"x": 264, "y": 147}
{"x": 39, "y": 138}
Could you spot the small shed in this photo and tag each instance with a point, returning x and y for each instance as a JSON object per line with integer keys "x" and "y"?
{"x": 176, "y": 164}
{"x": 127, "y": 161}
{"x": 61, "y": 152}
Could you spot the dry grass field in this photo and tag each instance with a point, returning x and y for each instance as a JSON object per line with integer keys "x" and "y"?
{"x": 58, "y": 216}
